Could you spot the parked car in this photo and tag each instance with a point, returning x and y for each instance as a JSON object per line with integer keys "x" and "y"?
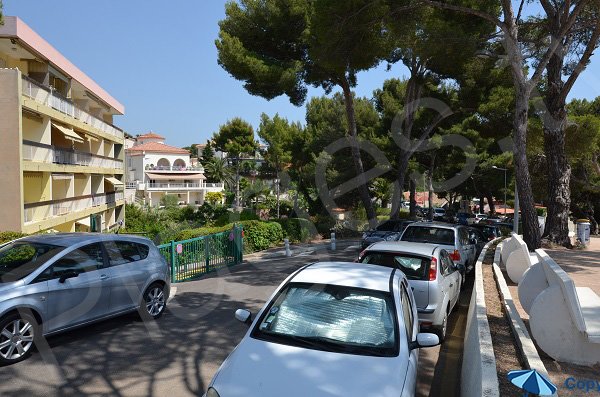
{"x": 330, "y": 329}
{"x": 489, "y": 231}
{"x": 464, "y": 218}
{"x": 476, "y": 235}
{"x": 387, "y": 231}
{"x": 433, "y": 277}
{"x": 480, "y": 217}
{"x": 439, "y": 214}
{"x": 52, "y": 283}
{"x": 453, "y": 238}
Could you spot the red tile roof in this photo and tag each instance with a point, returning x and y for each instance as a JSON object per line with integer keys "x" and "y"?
{"x": 157, "y": 148}
{"x": 150, "y": 135}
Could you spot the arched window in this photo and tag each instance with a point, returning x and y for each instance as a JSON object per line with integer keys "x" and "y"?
{"x": 179, "y": 163}
{"x": 163, "y": 164}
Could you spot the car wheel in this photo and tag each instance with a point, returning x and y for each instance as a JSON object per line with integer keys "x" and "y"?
{"x": 17, "y": 337}
{"x": 154, "y": 302}
{"x": 443, "y": 328}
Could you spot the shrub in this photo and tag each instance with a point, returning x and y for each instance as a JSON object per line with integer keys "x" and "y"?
{"x": 229, "y": 217}
{"x": 257, "y": 235}
{"x": 9, "y": 236}
{"x": 298, "y": 229}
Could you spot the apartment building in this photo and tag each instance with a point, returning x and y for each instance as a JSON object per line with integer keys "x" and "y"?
{"x": 155, "y": 169}
{"x": 62, "y": 155}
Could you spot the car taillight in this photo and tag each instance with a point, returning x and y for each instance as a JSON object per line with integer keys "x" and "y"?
{"x": 455, "y": 256}
{"x": 433, "y": 269}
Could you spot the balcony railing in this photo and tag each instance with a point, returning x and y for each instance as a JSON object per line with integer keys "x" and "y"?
{"x": 214, "y": 185}
{"x": 35, "y": 212}
{"x": 173, "y": 168}
{"x": 43, "y": 153}
{"x": 175, "y": 185}
{"x": 48, "y": 97}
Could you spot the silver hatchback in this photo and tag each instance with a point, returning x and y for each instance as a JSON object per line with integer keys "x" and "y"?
{"x": 433, "y": 277}
{"x": 52, "y": 283}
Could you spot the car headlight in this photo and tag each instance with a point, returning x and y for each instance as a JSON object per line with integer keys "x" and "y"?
{"x": 391, "y": 237}
{"x": 211, "y": 392}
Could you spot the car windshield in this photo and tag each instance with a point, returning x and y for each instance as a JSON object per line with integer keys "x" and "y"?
{"x": 388, "y": 226}
{"x": 20, "y": 258}
{"x": 331, "y": 318}
{"x": 413, "y": 266}
{"x": 428, "y": 234}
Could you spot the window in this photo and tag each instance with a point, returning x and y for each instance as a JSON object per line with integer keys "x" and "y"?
{"x": 121, "y": 252}
{"x": 82, "y": 260}
{"x": 21, "y": 258}
{"x": 447, "y": 264}
{"x": 463, "y": 236}
{"x": 426, "y": 234}
{"x": 407, "y": 313}
{"x": 331, "y": 318}
{"x": 414, "y": 267}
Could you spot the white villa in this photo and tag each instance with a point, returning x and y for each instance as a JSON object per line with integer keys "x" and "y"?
{"x": 155, "y": 169}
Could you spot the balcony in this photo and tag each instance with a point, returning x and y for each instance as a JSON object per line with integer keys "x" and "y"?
{"x": 42, "y": 153}
{"x": 174, "y": 168}
{"x": 175, "y": 186}
{"x": 45, "y": 95}
{"x": 35, "y": 212}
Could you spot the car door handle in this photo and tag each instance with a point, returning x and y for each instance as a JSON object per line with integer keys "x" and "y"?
{"x": 104, "y": 277}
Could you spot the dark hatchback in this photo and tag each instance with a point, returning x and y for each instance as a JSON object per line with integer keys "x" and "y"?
{"x": 387, "y": 231}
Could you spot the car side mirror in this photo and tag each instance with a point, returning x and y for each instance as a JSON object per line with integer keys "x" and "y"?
{"x": 66, "y": 276}
{"x": 244, "y": 316}
{"x": 425, "y": 340}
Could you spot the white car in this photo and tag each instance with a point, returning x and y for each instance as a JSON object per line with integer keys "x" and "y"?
{"x": 330, "y": 329}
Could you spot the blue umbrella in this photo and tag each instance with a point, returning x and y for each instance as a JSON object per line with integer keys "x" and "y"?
{"x": 531, "y": 381}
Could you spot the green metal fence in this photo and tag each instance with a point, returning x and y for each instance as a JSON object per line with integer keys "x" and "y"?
{"x": 190, "y": 259}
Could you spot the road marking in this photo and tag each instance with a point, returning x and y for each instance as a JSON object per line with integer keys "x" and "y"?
{"x": 306, "y": 253}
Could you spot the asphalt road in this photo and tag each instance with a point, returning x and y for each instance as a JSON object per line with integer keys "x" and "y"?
{"x": 178, "y": 354}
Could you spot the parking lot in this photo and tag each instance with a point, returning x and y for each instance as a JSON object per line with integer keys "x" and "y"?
{"x": 179, "y": 354}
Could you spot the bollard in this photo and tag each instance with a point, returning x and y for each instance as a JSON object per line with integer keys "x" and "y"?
{"x": 333, "y": 241}
{"x": 286, "y": 242}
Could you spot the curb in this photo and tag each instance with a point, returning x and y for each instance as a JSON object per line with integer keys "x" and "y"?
{"x": 479, "y": 376}
{"x": 525, "y": 344}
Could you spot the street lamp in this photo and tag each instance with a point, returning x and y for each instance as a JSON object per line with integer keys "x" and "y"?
{"x": 502, "y": 169}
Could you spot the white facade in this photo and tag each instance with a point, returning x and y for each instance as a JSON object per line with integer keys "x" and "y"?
{"x": 155, "y": 169}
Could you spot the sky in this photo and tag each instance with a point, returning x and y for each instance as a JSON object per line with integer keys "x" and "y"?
{"x": 158, "y": 58}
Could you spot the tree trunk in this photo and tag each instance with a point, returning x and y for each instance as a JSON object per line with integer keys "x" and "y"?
{"x": 412, "y": 188}
{"x": 559, "y": 169}
{"x": 430, "y": 193}
{"x": 481, "y": 203}
{"x": 277, "y": 191}
{"x": 363, "y": 189}
{"x": 237, "y": 184}
{"x": 531, "y": 230}
{"x": 490, "y": 200}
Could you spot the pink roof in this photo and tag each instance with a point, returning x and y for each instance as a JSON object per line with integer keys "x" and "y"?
{"x": 150, "y": 135}
{"x": 15, "y": 27}
{"x": 157, "y": 148}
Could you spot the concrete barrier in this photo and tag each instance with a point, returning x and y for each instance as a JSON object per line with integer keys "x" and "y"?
{"x": 518, "y": 259}
{"x": 525, "y": 344}
{"x": 479, "y": 375}
{"x": 564, "y": 319}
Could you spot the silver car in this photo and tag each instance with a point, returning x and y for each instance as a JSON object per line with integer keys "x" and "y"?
{"x": 455, "y": 239}
{"x": 52, "y": 283}
{"x": 433, "y": 277}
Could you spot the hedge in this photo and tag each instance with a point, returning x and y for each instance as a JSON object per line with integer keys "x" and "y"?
{"x": 9, "y": 236}
{"x": 258, "y": 235}
{"x": 298, "y": 229}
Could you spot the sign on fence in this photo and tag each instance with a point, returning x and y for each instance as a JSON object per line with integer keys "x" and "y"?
{"x": 179, "y": 248}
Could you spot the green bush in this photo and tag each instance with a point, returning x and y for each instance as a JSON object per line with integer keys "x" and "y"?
{"x": 229, "y": 217}
{"x": 298, "y": 229}
{"x": 258, "y": 235}
{"x": 9, "y": 236}
{"x": 541, "y": 211}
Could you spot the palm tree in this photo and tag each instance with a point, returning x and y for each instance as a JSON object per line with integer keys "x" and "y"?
{"x": 218, "y": 170}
